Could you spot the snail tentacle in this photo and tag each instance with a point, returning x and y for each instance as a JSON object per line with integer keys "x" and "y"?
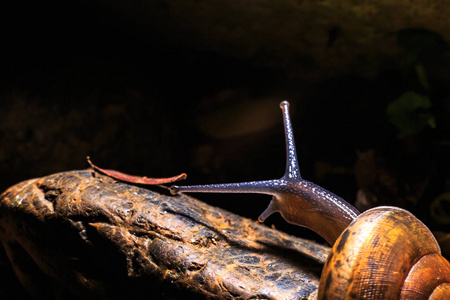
{"x": 299, "y": 201}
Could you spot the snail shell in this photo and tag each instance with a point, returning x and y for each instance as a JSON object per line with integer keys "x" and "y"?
{"x": 385, "y": 253}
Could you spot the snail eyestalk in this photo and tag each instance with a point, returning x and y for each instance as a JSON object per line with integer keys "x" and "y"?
{"x": 300, "y": 202}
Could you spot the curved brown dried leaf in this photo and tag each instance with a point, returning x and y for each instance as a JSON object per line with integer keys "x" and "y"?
{"x": 136, "y": 179}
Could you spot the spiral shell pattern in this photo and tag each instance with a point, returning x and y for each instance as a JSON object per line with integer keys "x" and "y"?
{"x": 386, "y": 253}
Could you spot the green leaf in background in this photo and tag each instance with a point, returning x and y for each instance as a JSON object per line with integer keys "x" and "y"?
{"x": 410, "y": 113}
{"x": 422, "y": 76}
{"x": 422, "y": 45}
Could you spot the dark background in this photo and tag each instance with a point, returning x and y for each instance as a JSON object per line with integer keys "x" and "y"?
{"x": 155, "y": 88}
{"x": 158, "y": 98}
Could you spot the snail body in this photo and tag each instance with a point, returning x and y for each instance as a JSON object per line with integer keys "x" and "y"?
{"x": 383, "y": 253}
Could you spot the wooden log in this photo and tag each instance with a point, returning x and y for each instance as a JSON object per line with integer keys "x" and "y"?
{"x": 80, "y": 234}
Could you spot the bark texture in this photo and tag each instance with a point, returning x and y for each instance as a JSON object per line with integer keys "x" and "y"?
{"x": 80, "y": 234}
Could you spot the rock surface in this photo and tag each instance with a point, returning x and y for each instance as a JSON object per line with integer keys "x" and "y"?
{"x": 80, "y": 234}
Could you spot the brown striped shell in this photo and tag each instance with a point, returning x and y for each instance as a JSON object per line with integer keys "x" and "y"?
{"x": 385, "y": 253}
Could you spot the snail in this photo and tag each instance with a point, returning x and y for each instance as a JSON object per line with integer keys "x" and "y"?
{"x": 383, "y": 253}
